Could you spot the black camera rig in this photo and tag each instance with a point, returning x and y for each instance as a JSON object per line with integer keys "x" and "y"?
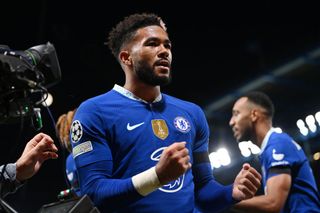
{"x": 24, "y": 79}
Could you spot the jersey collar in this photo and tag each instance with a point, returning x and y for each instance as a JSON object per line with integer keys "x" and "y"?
{"x": 130, "y": 95}
{"x": 266, "y": 139}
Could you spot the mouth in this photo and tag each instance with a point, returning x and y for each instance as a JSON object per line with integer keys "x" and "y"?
{"x": 163, "y": 64}
{"x": 235, "y": 132}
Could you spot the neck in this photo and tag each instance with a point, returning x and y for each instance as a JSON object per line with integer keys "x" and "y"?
{"x": 261, "y": 131}
{"x": 145, "y": 92}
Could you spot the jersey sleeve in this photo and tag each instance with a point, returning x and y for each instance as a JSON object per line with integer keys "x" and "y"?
{"x": 210, "y": 195}
{"x": 94, "y": 162}
{"x": 87, "y": 136}
{"x": 282, "y": 152}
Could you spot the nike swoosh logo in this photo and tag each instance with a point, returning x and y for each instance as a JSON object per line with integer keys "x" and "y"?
{"x": 134, "y": 126}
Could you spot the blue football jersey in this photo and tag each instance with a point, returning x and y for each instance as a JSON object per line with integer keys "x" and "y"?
{"x": 281, "y": 150}
{"x": 72, "y": 175}
{"x": 128, "y": 135}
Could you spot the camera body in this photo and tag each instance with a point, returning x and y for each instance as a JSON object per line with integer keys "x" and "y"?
{"x": 24, "y": 79}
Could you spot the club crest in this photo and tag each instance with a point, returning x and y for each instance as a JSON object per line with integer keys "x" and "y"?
{"x": 182, "y": 124}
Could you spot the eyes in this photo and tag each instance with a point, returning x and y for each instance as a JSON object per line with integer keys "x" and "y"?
{"x": 156, "y": 43}
{"x": 235, "y": 113}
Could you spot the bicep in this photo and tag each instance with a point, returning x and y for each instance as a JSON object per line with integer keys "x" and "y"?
{"x": 278, "y": 188}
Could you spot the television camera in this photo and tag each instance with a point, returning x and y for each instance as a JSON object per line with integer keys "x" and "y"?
{"x": 25, "y": 77}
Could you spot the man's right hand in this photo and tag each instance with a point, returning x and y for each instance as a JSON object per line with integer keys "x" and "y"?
{"x": 246, "y": 183}
{"x": 173, "y": 163}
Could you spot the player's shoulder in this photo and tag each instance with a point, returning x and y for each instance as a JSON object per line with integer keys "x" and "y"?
{"x": 181, "y": 103}
{"x": 98, "y": 100}
{"x": 281, "y": 141}
{"x": 280, "y": 137}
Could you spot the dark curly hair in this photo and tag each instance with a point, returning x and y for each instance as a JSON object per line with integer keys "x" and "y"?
{"x": 126, "y": 29}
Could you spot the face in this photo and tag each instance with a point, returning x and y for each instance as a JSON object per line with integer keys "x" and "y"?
{"x": 151, "y": 56}
{"x": 241, "y": 120}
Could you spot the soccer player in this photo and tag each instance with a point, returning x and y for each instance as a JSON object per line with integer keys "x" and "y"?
{"x": 287, "y": 177}
{"x": 139, "y": 150}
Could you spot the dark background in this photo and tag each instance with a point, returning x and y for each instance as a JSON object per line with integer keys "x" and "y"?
{"x": 218, "y": 48}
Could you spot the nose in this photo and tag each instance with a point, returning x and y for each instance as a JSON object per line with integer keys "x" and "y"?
{"x": 231, "y": 122}
{"x": 164, "y": 52}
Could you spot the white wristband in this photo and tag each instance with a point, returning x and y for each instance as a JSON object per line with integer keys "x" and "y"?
{"x": 146, "y": 182}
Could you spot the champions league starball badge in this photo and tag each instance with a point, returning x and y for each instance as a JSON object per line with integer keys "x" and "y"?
{"x": 76, "y": 131}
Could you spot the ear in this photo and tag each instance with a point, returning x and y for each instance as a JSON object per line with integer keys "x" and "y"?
{"x": 125, "y": 58}
{"x": 254, "y": 115}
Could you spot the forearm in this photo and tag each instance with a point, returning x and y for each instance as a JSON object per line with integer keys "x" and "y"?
{"x": 262, "y": 203}
{"x": 214, "y": 197}
{"x": 104, "y": 191}
{"x": 278, "y": 188}
{"x": 111, "y": 193}
{"x": 211, "y": 196}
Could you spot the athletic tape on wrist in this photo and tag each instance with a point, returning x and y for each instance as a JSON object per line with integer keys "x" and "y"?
{"x": 146, "y": 182}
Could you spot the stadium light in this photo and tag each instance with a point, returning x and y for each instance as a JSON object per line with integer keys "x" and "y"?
{"x": 303, "y": 129}
{"x": 247, "y": 148}
{"x": 311, "y": 123}
{"x": 317, "y": 116}
{"x": 219, "y": 158}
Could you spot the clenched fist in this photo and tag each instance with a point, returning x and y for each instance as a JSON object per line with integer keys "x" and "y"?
{"x": 246, "y": 183}
{"x": 173, "y": 163}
